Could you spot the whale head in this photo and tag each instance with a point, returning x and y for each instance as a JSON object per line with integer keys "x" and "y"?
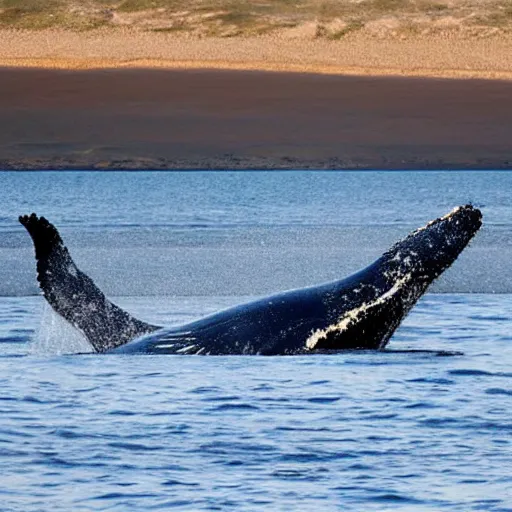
{"x": 428, "y": 251}
{"x": 382, "y": 294}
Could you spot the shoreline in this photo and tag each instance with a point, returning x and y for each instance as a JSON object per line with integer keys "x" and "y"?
{"x": 224, "y": 165}
{"x": 267, "y": 67}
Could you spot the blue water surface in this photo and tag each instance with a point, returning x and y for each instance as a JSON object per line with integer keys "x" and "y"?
{"x": 406, "y": 431}
{"x": 368, "y": 431}
{"x": 246, "y": 233}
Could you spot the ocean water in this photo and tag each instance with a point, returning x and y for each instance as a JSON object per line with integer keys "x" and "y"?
{"x": 409, "y": 431}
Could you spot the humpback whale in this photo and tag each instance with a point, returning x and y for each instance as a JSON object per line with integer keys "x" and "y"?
{"x": 359, "y": 312}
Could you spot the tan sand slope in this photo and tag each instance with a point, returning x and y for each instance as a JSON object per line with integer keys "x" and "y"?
{"x": 435, "y": 56}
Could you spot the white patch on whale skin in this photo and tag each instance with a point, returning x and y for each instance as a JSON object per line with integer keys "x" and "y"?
{"x": 178, "y": 341}
{"x": 440, "y": 219}
{"x": 186, "y": 349}
{"x": 355, "y": 313}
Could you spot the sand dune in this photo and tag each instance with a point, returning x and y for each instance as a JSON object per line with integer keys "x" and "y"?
{"x": 421, "y": 56}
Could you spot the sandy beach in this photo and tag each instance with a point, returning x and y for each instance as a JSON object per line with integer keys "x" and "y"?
{"x": 445, "y": 56}
{"x": 145, "y": 100}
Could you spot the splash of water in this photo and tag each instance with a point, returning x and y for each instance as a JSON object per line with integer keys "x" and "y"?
{"x": 55, "y": 336}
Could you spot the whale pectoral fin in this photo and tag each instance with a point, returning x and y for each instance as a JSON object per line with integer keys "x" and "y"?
{"x": 73, "y": 294}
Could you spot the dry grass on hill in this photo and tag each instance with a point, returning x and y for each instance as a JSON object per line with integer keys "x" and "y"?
{"x": 330, "y": 19}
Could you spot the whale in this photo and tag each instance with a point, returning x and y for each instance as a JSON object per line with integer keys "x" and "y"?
{"x": 359, "y": 312}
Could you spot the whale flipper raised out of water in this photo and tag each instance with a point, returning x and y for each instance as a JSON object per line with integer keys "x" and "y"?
{"x": 73, "y": 294}
{"x": 359, "y": 312}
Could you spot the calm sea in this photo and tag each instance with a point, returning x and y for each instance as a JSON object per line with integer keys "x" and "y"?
{"x": 351, "y": 432}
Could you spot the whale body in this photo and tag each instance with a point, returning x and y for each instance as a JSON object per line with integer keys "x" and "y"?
{"x": 361, "y": 311}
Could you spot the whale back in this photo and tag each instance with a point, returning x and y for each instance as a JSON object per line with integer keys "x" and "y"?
{"x": 294, "y": 322}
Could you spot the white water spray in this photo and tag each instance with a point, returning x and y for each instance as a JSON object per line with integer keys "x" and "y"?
{"x": 55, "y": 336}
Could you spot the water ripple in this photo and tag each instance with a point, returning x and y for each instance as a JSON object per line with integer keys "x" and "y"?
{"x": 357, "y": 431}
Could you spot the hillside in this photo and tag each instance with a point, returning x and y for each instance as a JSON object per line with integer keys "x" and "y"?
{"x": 309, "y": 19}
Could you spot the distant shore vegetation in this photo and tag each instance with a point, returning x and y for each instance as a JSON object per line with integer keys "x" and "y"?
{"x": 328, "y": 19}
